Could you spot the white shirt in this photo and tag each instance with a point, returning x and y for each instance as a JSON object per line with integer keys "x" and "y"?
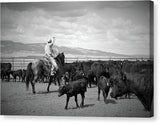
{"x": 48, "y": 51}
{"x": 51, "y": 50}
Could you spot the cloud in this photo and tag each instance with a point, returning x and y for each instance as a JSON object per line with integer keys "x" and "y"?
{"x": 125, "y": 30}
{"x": 106, "y": 26}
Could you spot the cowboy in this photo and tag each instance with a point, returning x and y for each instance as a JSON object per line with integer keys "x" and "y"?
{"x": 51, "y": 52}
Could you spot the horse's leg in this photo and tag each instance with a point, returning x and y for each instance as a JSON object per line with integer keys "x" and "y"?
{"x": 33, "y": 83}
{"x": 99, "y": 91}
{"x": 33, "y": 87}
{"x": 58, "y": 79}
{"x": 49, "y": 83}
{"x": 55, "y": 79}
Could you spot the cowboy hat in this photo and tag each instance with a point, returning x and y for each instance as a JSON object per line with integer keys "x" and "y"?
{"x": 51, "y": 41}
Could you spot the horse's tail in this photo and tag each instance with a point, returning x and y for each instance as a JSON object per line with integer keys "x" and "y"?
{"x": 29, "y": 75}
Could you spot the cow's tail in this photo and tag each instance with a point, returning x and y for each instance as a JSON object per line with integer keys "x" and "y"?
{"x": 29, "y": 75}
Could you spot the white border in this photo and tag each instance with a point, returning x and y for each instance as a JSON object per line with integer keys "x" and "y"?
{"x": 101, "y": 120}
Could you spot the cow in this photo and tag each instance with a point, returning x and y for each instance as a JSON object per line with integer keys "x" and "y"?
{"x": 66, "y": 78}
{"x": 17, "y": 73}
{"x": 97, "y": 69}
{"x": 84, "y": 66}
{"x": 91, "y": 78}
{"x": 103, "y": 84}
{"x": 113, "y": 67}
{"x": 70, "y": 68}
{"x": 73, "y": 89}
{"x": 140, "y": 84}
{"x": 5, "y": 71}
{"x": 78, "y": 75}
{"x": 137, "y": 66}
{"x": 80, "y": 68}
{"x": 23, "y": 75}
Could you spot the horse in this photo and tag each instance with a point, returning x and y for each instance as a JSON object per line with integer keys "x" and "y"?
{"x": 41, "y": 68}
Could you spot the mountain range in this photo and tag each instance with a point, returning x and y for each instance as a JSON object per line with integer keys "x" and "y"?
{"x": 16, "y": 49}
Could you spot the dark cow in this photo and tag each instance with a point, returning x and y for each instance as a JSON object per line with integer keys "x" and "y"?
{"x": 23, "y": 75}
{"x": 141, "y": 84}
{"x": 17, "y": 73}
{"x": 73, "y": 68}
{"x": 97, "y": 69}
{"x": 84, "y": 66}
{"x": 70, "y": 68}
{"x": 73, "y": 89}
{"x": 66, "y": 78}
{"x": 137, "y": 67}
{"x": 78, "y": 75}
{"x": 103, "y": 84}
{"x": 91, "y": 78}
{"x": 5, "y": 71}
{"x": 113, "y": 67}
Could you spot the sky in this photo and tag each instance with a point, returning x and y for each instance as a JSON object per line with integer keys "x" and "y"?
{"x": 111, "y": 26}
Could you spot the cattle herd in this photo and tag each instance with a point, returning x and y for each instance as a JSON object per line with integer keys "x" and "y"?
{"x": 121, "y": 77}
{"x": 7, "y": 73}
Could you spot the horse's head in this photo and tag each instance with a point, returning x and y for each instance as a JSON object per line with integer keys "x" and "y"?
{"x": 61, "y": 58}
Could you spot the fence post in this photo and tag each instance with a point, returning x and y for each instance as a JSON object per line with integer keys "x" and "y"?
{"x": 13, "y": 63}
{"x": 23, "y": 63}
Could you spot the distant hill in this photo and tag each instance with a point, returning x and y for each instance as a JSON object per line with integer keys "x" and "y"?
{"x": 16, "y": 49}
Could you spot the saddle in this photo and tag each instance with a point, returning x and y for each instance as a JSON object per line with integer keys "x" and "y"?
{"x": 48, "y": 63}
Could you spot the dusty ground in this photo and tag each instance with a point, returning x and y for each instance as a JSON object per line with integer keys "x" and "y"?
{"x": 15, "y": 100}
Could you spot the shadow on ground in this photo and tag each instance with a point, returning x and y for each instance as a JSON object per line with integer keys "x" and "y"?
{"x": 132, "y": 97}
{"x": 45, "y": 92}
{"x": 85, "y": 106}
{"x": 110, "y": 101}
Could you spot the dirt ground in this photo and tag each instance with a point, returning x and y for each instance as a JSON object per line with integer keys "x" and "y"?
{"x": 15, "y": 100}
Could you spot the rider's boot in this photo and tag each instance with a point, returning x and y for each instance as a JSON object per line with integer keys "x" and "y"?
{"x": 53, "y": 71}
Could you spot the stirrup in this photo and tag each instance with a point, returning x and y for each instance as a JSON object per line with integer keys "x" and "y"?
{"x": 53, "y": 72}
